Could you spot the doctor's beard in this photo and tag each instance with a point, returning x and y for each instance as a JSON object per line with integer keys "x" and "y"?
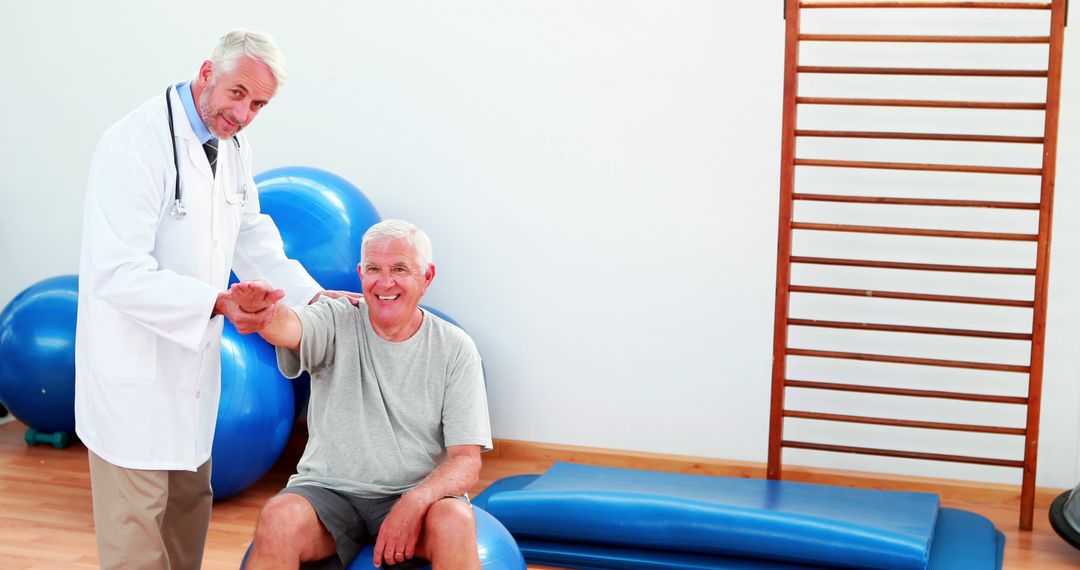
{"x": 211, "y": 115}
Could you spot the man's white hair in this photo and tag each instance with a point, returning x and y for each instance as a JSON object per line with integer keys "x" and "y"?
{"x": 257, "y": 45}
{"x": 399, "y": 229}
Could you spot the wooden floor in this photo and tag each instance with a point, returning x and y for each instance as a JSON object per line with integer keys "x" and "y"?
{"x": 46, "y": 523}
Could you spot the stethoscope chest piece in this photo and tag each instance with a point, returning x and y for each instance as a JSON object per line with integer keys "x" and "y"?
{"x": 178, "y": 210}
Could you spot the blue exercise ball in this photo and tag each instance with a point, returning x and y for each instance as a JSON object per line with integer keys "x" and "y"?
{"x": 37, "y": 354}
{"x": 497, "y": 548}
{"x": 255, "y": 415}
{"x": 442, "y": 316}
{"x": 322, "y": 218}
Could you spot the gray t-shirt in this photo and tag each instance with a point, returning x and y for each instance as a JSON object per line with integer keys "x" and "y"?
{"x": 382, "y": 413}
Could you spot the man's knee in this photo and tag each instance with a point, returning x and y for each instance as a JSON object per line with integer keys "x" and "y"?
{"x": 450, "y": 522}
{"x": 286, "y": 515}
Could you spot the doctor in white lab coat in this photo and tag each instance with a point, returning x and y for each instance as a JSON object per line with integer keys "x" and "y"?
{"x": 152, "y": 289}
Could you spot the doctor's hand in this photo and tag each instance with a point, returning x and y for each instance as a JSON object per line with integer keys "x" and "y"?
{"x": 250, "y": 306}
{"x": 354, "y": 298}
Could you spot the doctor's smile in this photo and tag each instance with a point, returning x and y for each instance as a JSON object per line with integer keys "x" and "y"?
{"x": 229, "y": 99}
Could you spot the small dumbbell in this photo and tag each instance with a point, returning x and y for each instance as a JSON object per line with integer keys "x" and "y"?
{"x": 58, "y": 439}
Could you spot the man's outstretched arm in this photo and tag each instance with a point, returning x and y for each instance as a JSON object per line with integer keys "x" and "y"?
{"x": 284, "y": 329}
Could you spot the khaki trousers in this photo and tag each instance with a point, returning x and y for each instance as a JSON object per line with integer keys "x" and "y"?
{"x": 150, "y": 520}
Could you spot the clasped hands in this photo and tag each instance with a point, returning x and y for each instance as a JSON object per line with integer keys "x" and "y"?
{"x": 252, "y": 305}
{"x": 249, "y": 305}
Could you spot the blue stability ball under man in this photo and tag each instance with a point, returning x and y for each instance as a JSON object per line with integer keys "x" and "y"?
{"x": 321, "y": 217}
{"x": 255, "y": 415}
{"x": 498, "y": 549}
{"x": 37, "y": 356}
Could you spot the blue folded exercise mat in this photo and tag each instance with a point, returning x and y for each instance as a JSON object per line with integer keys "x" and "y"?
{"x": 581, "y": 516}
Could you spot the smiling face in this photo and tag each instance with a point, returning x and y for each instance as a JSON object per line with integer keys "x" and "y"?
{"x": 393, "y": 283}
{"x": 229, "y": 100}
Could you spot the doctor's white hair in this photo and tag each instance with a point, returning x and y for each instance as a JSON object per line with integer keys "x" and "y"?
{"x": 387, "y": 230}
{"x": 257, "y": 45}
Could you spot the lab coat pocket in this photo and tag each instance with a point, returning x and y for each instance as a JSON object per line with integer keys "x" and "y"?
{"x": 120, "y": 348}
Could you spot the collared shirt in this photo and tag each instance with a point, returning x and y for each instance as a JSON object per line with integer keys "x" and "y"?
{"x": 197, "y": 125}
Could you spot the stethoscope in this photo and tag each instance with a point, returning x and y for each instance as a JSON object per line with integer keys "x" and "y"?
{"x": 178, "y": 210}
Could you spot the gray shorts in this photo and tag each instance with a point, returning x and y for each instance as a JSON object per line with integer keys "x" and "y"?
{"x": 352, "y": 521}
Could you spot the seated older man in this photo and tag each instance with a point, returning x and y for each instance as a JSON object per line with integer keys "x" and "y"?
{"x": 397, "y": 419}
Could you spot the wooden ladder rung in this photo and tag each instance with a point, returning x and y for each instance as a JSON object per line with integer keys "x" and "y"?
{"x": 905, "y": 454}
{"x": 929, "y": 71}
{"x": 925, "y": 39}
{"x": 908, "y": 329}
{"x": 921, "y": 232}
{"x": 870, "y": 293}
{"x": 916, "y": 166}
{"x": 908, "y": 360}
{"x": 862, "y": 102}
{"x": 916, "y": 201}
{"x": 910, "y": 392}
{"x": 911, "y": 266}
{"x": 983, "y": 5}
{"x": 804, "y": 415}
{"x": 918, "y": 136}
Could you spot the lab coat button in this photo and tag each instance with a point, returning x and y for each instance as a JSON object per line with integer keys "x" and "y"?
{"x": 197, "y": 394}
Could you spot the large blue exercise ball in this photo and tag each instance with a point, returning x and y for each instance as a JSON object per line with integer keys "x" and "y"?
{"x": 37, "y": 354}
{"x": 497, "y": 548}
{"x": 442, "y": 316}
{"x": 321, "y": 217}
{"x": 255, "y": 415}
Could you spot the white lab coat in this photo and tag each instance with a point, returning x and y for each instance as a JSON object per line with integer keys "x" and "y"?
{"x": 147, "y": 353}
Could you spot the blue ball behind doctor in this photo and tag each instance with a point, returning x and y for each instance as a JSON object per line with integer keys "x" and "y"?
{"x": 255, "y": 415}
{"x": 37, "y": 354}
{"x": 321, "y": 217}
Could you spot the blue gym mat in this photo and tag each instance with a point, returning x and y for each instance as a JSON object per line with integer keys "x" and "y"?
{"x": 581, "y": 516}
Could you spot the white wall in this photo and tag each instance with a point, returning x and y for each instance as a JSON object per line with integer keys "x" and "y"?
{"x": 600, "y": 179}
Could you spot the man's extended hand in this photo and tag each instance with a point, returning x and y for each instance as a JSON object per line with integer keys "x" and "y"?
{"x": 400, "y": 531}
{"x": 254, "y": 296}
{"x": 250, "y": 305}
